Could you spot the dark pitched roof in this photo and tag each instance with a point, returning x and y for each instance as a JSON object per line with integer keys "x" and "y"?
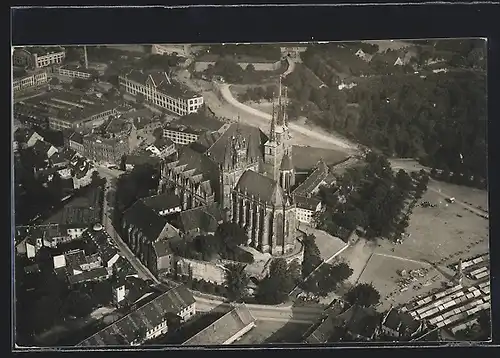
{"x": 197, "y": 218}
{"x": 313, "y": 180}
{"x": 58, "y": 158}
{"x": 198, "y": 122}
{"x": 76, "y": 137}
{"x": 148, "y": 316}
{"x": 363, "y": 321}
{"x": 260, "y": 186}
{"x": 137, "y": 288}
{"x": 401, "y": 322}
{"x": 323, "y": 331}
{"x": 145, "y": 219}
{"x": 306, "y": 203}
{"x": 224, "y": 328}
{"x": 42, "y": 147}
{"x": 142, "y": 158}
{"x": 252, "y": 135}
{"x": 162, "y": 248}
{"x": 205, "y": 141}
{"x": 163, "y": 201}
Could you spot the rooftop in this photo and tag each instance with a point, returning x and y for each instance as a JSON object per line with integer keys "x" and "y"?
{"x": 42, "y": 51}
{"x": 262, "y": 187}
{"x": 145, "y": 219}
{"x": 142, "y": 158}
{"x": 224, "y": 328}
{"x": 200, "y": 218}
{"x": 196, "y": 122}
{"x": 162, "y": 83}
{"x": 150, "y": 315}
{"x": 318, "y": 176}
{"x": 162, "y": 202}
{"x": 94, "y": 274}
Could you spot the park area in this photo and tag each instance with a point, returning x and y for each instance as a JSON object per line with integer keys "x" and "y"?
{"x": 440, "y": 234}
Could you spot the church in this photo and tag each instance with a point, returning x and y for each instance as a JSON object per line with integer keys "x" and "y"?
{"x": 247, "y": 173}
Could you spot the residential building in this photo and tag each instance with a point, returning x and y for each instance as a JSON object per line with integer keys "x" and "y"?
{"x": 187, "y": 129}
{"x": 38, "y": 57}
{"x": 400, "y": 325}
{"x": 105, "y": 150}
{"x": 141, "y": 158}
{"x": 148, "y": 321}
{"x": 305, "y": 208}
{"x": 58, "y": 160}
{"x": 158, "y": 89}
{"x": 142, "y": 227}
{"x": 164, "y": 204}
{"x": 201, "y": 220}
{"x": 292, "y": 50}
{"x": 226, "y": 330}
{"x": 27, "y": 137}
{"x": 361, "y": 324}
{"x": 29, "y": 81}
{"x": 76, "y": 143}
{"x": 162, "y": 148}
{"x": 44, "y": 148}
{"x": 76, "y": 72}
{"x": 66, "y": 110}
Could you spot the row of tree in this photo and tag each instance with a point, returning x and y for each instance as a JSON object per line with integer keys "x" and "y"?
{"x": 259, "y": 93}
{"x": 371, "y": 197}
{"x": 263, "y": 51}
{"x": 440, "y": 119}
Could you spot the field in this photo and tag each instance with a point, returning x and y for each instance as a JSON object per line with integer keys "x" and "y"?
{"x": 444, "y": 233}
{"x": 439, "y": 235}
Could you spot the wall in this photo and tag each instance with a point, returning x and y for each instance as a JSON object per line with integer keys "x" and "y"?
{"x": 202, "y": 270}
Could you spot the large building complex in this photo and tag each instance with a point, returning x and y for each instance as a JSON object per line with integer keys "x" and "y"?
{"x": 248, "y": 175}
{"x": 23, "y": 81}
{"x": 188, "y": 129}
{"x": 157, "y": 88}
{"x": 67, "y": 110}
{"x": 76, "y": 72}
{"x": 38, "y": 57}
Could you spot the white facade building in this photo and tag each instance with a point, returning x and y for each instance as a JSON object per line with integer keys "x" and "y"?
{"x": 158, "y": 89}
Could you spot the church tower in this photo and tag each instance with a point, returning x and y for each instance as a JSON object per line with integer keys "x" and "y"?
{"x": 287, "y": 173}
{"x": 279, "y": 137}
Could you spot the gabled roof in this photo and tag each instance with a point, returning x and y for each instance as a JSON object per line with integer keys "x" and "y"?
{"x": 194, "y": 219}
{"x": 323, "y": 331}
{"x": 260, "y": 186}
{"x": 42, "y": 147}
{"x": 58, "y": 158}
{"x": 224, "y": 328}
{"x": 145, "y": 219}
{"x": 76, "y": 137}
{"x": 150, "y": 315}
{"x": 306, "y": 203}
{"x": 401, "y": 322}
{"x": 163, "y": 201}
{"x": 95, "y": 274}
{"x": 313, "y": 180}
{"x": 162, "y": 248}
{"x": 363, "y": 321}
{"x": 252, "y": 135}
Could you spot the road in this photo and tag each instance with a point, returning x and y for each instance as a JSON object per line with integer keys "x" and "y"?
{"x": 261, "y": 119}
{"x": 142, "y": 271}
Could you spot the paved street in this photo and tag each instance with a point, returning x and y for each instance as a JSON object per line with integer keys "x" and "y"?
{"x": 142, "y": 271}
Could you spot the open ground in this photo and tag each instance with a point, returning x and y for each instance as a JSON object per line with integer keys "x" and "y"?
{"x": 440, "y": 235}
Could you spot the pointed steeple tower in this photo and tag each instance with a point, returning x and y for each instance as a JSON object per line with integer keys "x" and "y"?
{"x": 272, "y": 133}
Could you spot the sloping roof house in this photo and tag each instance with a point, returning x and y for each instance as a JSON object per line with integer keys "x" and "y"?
{"x": 226, "y": 330}
{"x": 145, "y": 322}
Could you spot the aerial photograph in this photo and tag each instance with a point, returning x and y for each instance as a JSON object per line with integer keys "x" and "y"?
{"x": 250, "y": 194}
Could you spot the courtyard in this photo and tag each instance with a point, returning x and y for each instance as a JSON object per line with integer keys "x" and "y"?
{"x": 270, "y": 332}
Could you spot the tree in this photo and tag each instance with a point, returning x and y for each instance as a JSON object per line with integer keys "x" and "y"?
{"x": 232, "y": 234}
{"x": 237, "y": 281}
{"x": 363, "y": 294}
{"x": 78, "y": 304}
{"x": 276, "y": 286}
{"x": 295, "y": 271}
{"x": 312, "y": 255}
{"x": 250, "y": 68}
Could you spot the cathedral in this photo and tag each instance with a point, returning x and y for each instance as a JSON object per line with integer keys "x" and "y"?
{"x": 249, "y": 174}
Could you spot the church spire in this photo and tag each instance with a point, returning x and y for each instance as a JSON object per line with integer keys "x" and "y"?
{"x": 272, "y": 134}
